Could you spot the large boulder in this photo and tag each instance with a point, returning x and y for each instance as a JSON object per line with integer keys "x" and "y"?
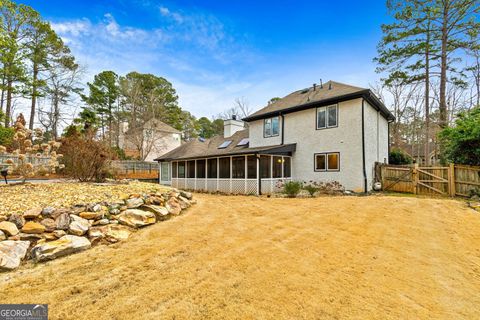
{"x": 186, "y": 194}
{"x": 9, "y": 228}
{"x": 48, "y": 211}
{"x": 32, "y": 227}
{"x": 173, "y": 206}
{"x": 30, "y": 236}
{"x": 18, "y": 219}
{"x": 12, "y": 253}
{"x": 136, "y": 218}
{"x": 94, "y": 215}
{"x": 111, "y": 233}
{"x": 32, "y": 213}
{"x": 160, "y": 212}
{"x": 57, "y": 212}
{"x": 54, "y": 249}
{"x": 63, "y": 221}
{"x": 184, "y": 202}
{"x": 2, "y": 236}
{"x": 134, "y": 203}
{"x": 78, "y": 226}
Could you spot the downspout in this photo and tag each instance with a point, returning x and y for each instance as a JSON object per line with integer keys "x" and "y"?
{"x": 283, "y": 128}
{"x": 363, "y": 147}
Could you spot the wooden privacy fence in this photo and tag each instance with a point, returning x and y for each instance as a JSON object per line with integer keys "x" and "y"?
{"x": 452, "y": 180}
{"x": 135, "y": 169}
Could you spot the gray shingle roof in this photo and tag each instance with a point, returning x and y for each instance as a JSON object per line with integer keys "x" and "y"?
{"x": 209, "y": 148}
{"x": 305, "y": 98}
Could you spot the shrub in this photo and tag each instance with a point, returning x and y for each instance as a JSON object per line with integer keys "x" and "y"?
{"x": 311, "y": 187}
{"x": 6, "y": 136}
{"x": 292, "y": 188}
{"x": 399, "y": 157}
{"x": 461, "y": 143}
{"x": 85, "y": 158}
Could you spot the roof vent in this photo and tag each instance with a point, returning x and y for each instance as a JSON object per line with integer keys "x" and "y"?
{"x": 304, "y": 91}
{"x": 234, "y": 117}
{"x": 330, "y": 86}
{"x": 321, "y": 84}
{"x": 314, "y": 86}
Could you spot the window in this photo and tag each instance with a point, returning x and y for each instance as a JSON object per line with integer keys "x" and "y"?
{"x": 224, "y": 164}
{"x": 327, "y": 161}
{"x": 225, "y": 144}
{"x": 201, "y": 169}
{"x": 243, "y": 142}
{"x": 327, "y": 117}
{"x": 165, "y": 171}
{"x": 191, "y": 169}
{"x": 287, "y": 171}
{"x": 277, "y": 167}
{"x": 174, "y": 170}
{"x": 271, "y": 127}
{"x": 212, "y": 168}
{"x": 238, "y": 167}
{"x": 252, "y": 167}
{"x": 181, "y": 169}
{"x": 265, "y": 163}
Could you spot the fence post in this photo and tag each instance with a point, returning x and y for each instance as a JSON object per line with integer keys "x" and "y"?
{"x": 415, "y": 178}
{"x": 451, "y": 179}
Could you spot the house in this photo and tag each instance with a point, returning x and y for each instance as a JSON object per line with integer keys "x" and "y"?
{"x": 149, "y": 141}
{"x": 417, "y": 152}
{"x": 330, "y": 132}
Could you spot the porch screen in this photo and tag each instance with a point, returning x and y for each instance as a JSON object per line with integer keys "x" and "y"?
{"x": 181, "y": 169}
{"x": 200, "y": 169}
{"x": 252, "y": 167}
{"x": 265, "y": 167}
{"x": 174, "y": 170}
{"x": 238, "y": 167}
{"x": 287, "y": 167}
{"x": 277, "y": 167}
{"x": 212, "y": 168}
{"x": 165, "y": 171}
{"x": 224, "y": 168}
{"x": 191, "y": 169}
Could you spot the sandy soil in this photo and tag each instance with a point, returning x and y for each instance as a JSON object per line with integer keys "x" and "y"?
{"x": 258, "y": 258}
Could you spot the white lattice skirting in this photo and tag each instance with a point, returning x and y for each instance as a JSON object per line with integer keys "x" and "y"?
{"x": 232, "y": 186}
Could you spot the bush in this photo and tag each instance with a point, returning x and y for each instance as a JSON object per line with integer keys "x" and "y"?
{"x": 292, "y": 188}
{"x": 85, "y": 158}
{"x": 6, "y": 136}
{"x": 311, "y": 187}
{"x": 461, "y": 143}
{"x": 399, "y": 157}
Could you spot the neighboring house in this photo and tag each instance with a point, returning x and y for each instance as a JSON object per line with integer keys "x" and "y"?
{"x": 334, "y": 132}
{"x": 152, "y": 140}
{"x": 417, "y": 152}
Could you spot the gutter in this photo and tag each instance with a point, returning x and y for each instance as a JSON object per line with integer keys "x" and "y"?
{"x": 283, "y": 128}
{"x": 363, "y": 147}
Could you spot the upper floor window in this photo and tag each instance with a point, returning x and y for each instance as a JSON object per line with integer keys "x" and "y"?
{"x": 271, "y": 127}
{"x": 327, "y": 117}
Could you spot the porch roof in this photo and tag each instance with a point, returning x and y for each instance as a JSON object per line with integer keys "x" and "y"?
{"x": 197, "y": 149}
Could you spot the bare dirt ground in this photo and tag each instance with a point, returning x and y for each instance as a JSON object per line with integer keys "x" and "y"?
{"x": 257, "y": 258}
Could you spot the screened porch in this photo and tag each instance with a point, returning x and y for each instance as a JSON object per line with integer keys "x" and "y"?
{"x": 243, "y": 174}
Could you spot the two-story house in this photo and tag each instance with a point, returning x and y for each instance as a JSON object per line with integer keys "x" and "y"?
{"x": 332, "y": 132}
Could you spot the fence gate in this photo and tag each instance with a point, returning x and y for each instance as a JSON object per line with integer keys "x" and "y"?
{"x": 396, "y": 178}
{"x": 432, "y": 180}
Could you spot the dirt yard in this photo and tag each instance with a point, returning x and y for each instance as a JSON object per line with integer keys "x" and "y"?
{"x": 258, "y": 258}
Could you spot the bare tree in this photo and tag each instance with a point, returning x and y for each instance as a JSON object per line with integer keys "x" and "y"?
{"x": 241, "y": 108}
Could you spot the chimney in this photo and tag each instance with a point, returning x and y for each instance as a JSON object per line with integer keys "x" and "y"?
{"x": 231, "y": 126}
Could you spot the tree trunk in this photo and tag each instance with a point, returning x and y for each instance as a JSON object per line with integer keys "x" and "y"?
{"x": 8, "y": 108}
{"x": 2, "y": 98}
{"x": 443, "y": 69}
{"x": 34, "y": 96}
{"x": 427, "y": 97}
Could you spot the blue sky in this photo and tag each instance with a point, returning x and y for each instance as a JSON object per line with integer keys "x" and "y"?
{"x": 216, "y": 51}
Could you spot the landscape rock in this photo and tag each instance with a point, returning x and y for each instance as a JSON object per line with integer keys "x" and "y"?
{"x": 134, "y": 203}
{"x": 49, "y": 224}
{"x": 18, "y": 219}
{"x": 136, "y": 218}
{"x": 78, "y": 226}
{"x": 12, "y": 253}
{"x": 186, "y": 194}
{"x": 58, "y": 212}
{"x": 101, "y": 222}
{"x": 59, "y": 233}
{"x": 2, "y": 236}
{"x": 49, "y": 236}
{"x": 32, "y": 213}
{"x": 3, "y": 218}
{"x": 94, "y": 215}
{"x": 33, "y": 227}
{"x": 29, "y": 237}
{"x": 161, "y": 213}
{"x": 184, "y": 202}
{"x": 62, "y": 221}
{"x": 173, "y": 206}
{"x": 47, "y": 211}
{"x": 67, "y": 244}
{"x": 9, "y": 228}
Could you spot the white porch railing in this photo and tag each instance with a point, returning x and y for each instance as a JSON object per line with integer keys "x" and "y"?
{"x": 231, "y": 186}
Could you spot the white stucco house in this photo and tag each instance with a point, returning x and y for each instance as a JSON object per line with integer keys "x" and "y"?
{"x": 332, "y": 132}
{"x": 149, "y": 141}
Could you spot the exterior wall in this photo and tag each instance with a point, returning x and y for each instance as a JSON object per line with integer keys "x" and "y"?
{"x": 346, "y": 138}
{"x": 164, "y": 142}
{"x": 376, "y": 141}
{"x": 255, "y": 129}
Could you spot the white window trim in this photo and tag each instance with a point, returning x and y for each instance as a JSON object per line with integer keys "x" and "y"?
{"x": 265, "y": 135}
{"x": 325, "y": 108}
{"x": 326, "y": 154}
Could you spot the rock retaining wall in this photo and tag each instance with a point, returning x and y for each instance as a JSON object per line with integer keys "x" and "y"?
{"x": 48, "y": 233}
